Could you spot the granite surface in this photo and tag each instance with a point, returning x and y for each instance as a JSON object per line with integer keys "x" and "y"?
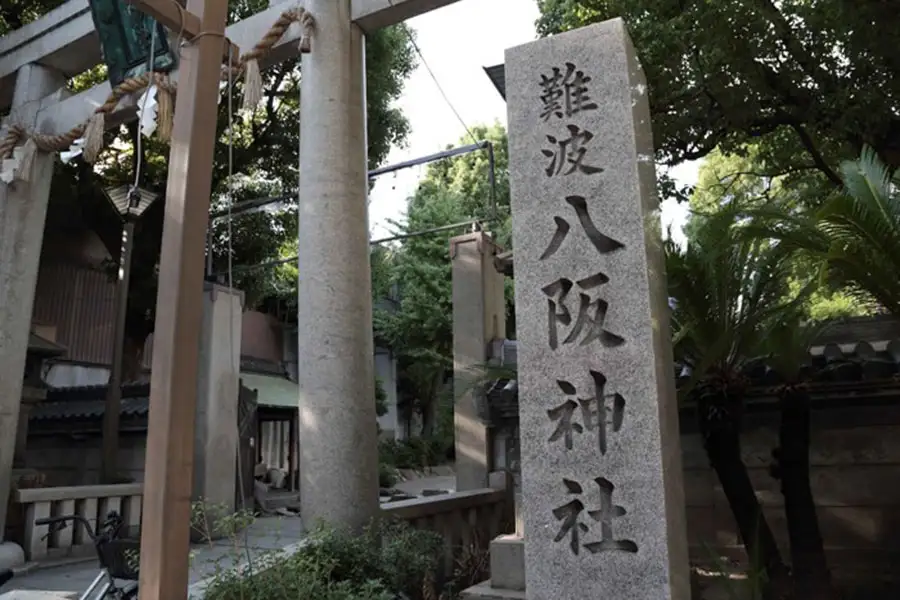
{"x": 601, "y": 468}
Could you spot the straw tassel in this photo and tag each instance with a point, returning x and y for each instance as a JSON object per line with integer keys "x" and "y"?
{"x": 306, "y": 27}
{"x": 93, "y": 137}
{"x": 165, "y": 112}
{"x": 252, "y": 85}
{"x": 26, "y": 161}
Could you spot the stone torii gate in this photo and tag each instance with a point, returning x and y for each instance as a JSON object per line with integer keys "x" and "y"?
{"x": 337, "y": 413}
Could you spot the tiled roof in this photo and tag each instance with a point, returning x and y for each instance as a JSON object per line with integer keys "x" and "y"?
{"x": 43, "y": 346}
{"x": 85, "y": 409}
{"x": 89, "y": 402}
{"x": 497, "y": 75}
{"x": 870, "y": 361}
{"x": 97, "y": 392}
{"x": 834, "y": 363}
{"x": 258, "y": 365}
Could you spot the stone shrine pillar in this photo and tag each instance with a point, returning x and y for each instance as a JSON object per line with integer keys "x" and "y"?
{"x": 339, "y": 445}
{"x": 23, "y": 209}
{"x": 479, "y": 316}
{"x": 601, "y": 464}
{"x": 218, "y": 383}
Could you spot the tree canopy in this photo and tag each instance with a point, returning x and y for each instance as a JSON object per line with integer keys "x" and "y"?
{"x": 420, "y": 330}
{"x": 810, "y": 82}
{"x": 741, "y": 181}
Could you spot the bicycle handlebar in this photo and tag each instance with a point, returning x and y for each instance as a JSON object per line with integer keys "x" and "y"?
{"x": 62, "y": 519}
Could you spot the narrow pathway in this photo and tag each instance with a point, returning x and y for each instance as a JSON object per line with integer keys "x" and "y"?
{"x": 68, "y": 581}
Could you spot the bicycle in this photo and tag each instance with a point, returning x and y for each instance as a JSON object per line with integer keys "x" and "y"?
{"x": 112, "y": 553}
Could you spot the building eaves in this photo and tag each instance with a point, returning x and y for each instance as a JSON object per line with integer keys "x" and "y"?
{"x": 497, "y": 75}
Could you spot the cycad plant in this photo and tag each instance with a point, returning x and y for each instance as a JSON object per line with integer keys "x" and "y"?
{"x": 855, "y": 235}
{"x": 729, "y": 293}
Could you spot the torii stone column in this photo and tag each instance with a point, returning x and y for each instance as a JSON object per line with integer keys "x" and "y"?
{"x": 23, "y": 209}
{"x": 338, "y": 437}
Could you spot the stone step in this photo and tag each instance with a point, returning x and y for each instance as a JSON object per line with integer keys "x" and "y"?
{"x": 508, "y": 562}
{"x": 484, "y": 591}
{"x": 282, "y": 499}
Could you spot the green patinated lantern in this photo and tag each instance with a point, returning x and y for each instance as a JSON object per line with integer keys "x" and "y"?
{"x": 125, "y": 37}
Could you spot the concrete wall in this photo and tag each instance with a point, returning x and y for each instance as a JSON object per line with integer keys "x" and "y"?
{"x": 75, "y": 460}
{"x": 261, "y": 337}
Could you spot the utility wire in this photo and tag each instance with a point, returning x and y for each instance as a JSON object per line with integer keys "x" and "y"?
{"x": 412, "y": 40}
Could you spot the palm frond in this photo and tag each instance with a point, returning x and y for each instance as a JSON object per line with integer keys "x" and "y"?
{"x": 730, "y": 289}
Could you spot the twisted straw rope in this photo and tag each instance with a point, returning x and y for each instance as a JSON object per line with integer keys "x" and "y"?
{"x": 57, "y": 143}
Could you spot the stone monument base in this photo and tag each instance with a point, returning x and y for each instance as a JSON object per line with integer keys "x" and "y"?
{"x": 507, "y": 580}
{"x": 11, "y": 556}
{"x": 484, "y": 591}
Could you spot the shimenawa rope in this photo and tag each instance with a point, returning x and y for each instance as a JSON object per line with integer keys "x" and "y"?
{"x": 92, "y": 131}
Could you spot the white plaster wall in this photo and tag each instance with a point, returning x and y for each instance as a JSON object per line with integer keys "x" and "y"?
{"x": 70, "y": 375}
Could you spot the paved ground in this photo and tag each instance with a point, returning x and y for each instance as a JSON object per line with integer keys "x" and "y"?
{"x": 65, "y": 582}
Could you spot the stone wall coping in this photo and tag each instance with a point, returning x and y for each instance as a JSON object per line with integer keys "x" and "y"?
{"x": 78, "y": 492}
{"x": 452, "y": 502}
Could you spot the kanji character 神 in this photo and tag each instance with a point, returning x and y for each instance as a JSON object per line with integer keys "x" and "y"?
{"x": 595, "y": 414}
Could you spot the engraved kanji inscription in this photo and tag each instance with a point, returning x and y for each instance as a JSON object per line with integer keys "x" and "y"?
{"x": 573, "y": 527}
{"x": 565, "y": 93}
{"x": 567, "y": 155}
{"x": 597, "y": 412}
{"x": 591, "y": 313}
{"x": 605, "y": 515}
{"x": 569, "y": 514}
{"x": 603, "y": 243}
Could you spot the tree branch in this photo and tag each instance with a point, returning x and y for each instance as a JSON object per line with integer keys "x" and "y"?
{"x": 808, "y": 63}
{"x": 817, "y": 157}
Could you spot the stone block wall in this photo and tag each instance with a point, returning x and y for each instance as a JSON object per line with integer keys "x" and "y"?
{"x": 855, "y": 477}
{"x": 855, "y": 474}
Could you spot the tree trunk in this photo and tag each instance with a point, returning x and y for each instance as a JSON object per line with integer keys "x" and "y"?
{"x": 719, "y": 413}
{"x": 812, "y": 579}
{"x": 428, "y": 417}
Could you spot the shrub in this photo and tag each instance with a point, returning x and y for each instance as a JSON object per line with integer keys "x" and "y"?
{"x": 387, "y": 475}
{"x": 388, "y": 560}
{"x": 414, "y": 453}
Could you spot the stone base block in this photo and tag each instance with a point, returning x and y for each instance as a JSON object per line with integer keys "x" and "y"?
{"x": 508, "y": 563}
{"x": 485, "y": 591}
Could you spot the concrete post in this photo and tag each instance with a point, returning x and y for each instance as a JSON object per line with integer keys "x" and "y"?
{"x": 338, "y": 446}
{"x": 23, "y": 209}
{"x": 479, "y": 316}
{"x": 216, "y": 446}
